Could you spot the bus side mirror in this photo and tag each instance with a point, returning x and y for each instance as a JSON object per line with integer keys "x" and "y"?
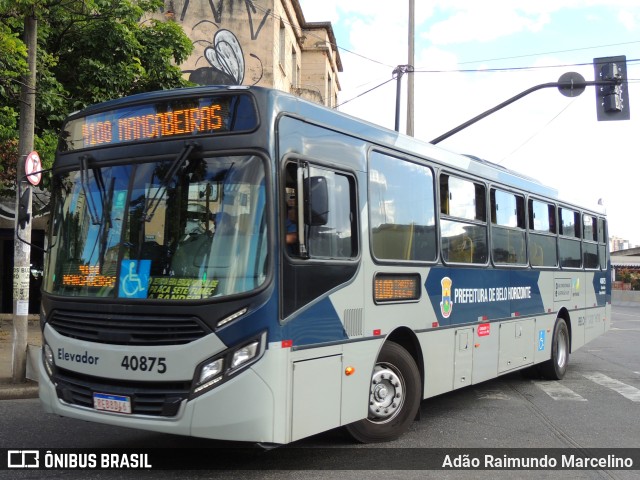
{"x": 316, "y": 201}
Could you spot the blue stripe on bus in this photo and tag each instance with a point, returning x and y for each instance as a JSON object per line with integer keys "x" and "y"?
{"x": 602, "y": 288}
{"x": 319, "y": 323}
{"x": 464, "y": 295}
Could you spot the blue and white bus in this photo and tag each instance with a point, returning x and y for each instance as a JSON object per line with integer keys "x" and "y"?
{"x": 237, "y": 263}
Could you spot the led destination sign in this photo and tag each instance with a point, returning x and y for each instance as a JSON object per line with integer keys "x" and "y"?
{"x": 162, "y": 120}
{"x": 144, "y": 127}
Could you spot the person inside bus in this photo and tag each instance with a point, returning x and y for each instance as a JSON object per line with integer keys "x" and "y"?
{"x": 291, "y": 227}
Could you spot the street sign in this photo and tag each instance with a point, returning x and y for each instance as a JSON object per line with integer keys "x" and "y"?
{"x": 32, "y": 168}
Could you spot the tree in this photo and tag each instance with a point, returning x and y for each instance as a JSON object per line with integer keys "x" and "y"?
{"x": 13, "y": 66}
{"x": 89, "y": 51}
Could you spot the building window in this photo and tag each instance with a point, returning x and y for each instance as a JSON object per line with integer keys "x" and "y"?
{"x": 283, "y": 45}
{"x": 295, "y": 79}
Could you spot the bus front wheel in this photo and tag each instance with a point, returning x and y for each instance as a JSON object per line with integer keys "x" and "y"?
{"x": 556, "y": 366}
{"x": 394, "y": 397}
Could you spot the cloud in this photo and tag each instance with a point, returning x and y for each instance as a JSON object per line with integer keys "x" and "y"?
{"x": 483, "y": 25}
{"x": 629, "y": 19}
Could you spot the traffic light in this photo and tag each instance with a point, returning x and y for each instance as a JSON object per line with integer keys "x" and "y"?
{"x": 612, "y": 100}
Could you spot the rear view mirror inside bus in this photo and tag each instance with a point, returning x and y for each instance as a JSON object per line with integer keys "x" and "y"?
{"x": 316, "y": 205}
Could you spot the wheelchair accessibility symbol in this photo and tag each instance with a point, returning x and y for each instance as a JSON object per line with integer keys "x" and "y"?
{"x": 541, "y": 340}
{"x": 134, "y": 278}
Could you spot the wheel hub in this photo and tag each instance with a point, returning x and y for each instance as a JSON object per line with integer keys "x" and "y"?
{"x": 387, "y": 394}
{"x": 562, "y": 350}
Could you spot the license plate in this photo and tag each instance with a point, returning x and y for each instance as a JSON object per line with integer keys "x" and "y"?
{"x": 111, "y": 403}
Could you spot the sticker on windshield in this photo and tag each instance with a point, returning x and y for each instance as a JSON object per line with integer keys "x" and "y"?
{"x": 134, "y": 278}
{"x": 179, "y": 288}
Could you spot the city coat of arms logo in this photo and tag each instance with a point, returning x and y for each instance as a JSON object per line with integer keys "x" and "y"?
{"x": 446, "y": 305}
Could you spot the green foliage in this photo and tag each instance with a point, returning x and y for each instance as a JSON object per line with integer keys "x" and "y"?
{"x": 624, "y": 275}
{"x": 89, "y": 51}
{"x": 13, "y": 62}
{"x": 631, "y": 276}
{"x": 111, "y": 53}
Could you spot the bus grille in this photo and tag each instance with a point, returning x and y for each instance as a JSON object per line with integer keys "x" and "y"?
{"x": 159, "y": 399}
{"x": 117, "y": 329}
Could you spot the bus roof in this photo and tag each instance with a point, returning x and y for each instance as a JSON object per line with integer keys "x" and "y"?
{"x": 349, "y": 125}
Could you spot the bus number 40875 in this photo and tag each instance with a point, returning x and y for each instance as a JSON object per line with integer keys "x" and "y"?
{"x": 144, "y": 364}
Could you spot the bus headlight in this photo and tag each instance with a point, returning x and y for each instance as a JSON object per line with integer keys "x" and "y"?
{"x": 47, "y": 356}
{"x": 244, "y": 354}
{"x": 219, "y": 369}
{"x": 210, "y": 374}
{"x": 211, "y": 371}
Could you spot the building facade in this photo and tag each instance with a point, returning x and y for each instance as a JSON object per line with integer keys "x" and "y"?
{"x": 258, "y": 42}
{"x": 616, "y": 244}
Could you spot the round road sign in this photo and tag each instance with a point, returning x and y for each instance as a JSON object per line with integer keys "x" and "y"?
{"x": 32, "y": 164}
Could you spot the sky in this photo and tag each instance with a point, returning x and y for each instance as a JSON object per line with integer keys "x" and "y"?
{"x": 459, "y": 44}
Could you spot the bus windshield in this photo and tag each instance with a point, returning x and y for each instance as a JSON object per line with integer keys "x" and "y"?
{"x": 181, "y": 229}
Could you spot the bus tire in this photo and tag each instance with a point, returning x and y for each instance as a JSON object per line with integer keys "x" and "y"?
{"x": 556, "y": 366}
{"x": 394, "y": 397}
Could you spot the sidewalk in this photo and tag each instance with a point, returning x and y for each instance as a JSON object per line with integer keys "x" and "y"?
{"x": 8, "y": 389}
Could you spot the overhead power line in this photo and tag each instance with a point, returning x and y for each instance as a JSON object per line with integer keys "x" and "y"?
{"x": 334, "y": 45}
{"x": 364, "y": 93}
{"x": 515, "y": 69}
{"x": 549, "y": 53}
{"x": 535, "y": 134}
{"x": 492, "y": 70}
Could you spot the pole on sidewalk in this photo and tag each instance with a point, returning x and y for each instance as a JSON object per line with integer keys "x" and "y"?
{"x": 22, "y": 248}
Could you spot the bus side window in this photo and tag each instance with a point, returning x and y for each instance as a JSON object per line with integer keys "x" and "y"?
{"x": 330, "y": 233}
{"x": 334, "y": 236}
{"x": 507, "y": 228}
{"x": 401, "y": 210}
{"x": 464, "y": 228}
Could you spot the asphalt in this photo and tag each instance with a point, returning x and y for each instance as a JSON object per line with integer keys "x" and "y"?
{"x": 29, "y": 388}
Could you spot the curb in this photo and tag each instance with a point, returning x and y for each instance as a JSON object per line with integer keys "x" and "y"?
{"x": 18, "y": 391}
{"x": 28, "y": 388}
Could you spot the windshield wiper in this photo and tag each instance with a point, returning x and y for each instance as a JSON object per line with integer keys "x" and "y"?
{"x": 182, "y": 156}
{"x": 103, "y": 233}
{"x": 84, "y": 182}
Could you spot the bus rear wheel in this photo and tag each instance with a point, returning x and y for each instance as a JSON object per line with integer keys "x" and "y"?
{"x": 556, "y": 366}
{"x": 394, "y": 397}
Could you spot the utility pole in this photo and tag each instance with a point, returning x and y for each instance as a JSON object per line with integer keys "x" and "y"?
{"x": 398, "y": 72}
{"x": 411, "y": 63}
{"x": 22, "y": 248}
